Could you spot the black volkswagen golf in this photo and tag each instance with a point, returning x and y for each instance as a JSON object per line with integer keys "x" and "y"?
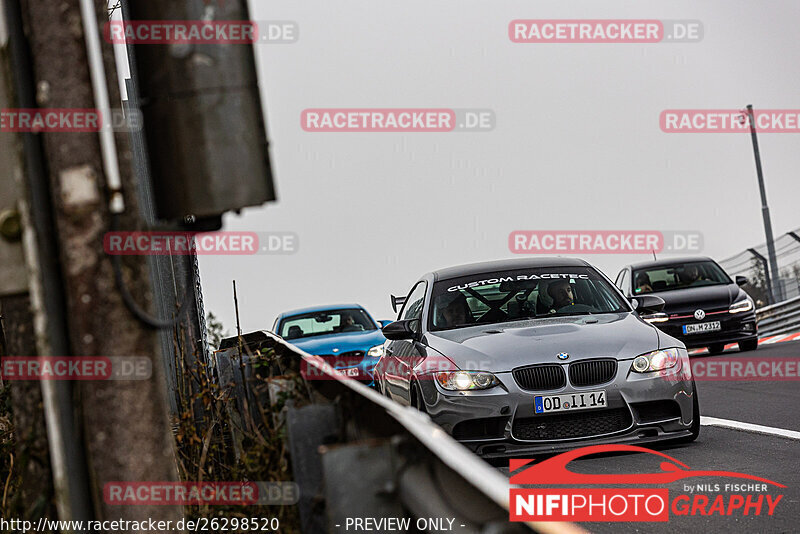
{"x": 704, "y": 307}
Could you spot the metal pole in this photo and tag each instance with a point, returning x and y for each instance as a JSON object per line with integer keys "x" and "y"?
{"x": 121, "y": 426}
{"x": 774, "y": 289}
{"x": 48, "y": 301}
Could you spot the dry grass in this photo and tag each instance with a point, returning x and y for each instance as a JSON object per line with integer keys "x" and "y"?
{"x": 205, "y": 444}
{"x": 10, "y": 477}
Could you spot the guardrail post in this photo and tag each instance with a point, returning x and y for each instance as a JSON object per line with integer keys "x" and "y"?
{"x": 371, "y": 468}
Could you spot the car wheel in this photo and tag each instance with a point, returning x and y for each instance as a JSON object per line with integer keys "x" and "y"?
{"x": 750, "y": 344}
{"x": 695, "y": 428}
{"x": 716, "y": 348}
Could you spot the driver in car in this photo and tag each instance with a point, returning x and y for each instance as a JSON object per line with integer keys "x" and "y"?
{"x": 692, "y": 275}
{"x": 643, "y": 284}
{"x": 349, "y": 324}
{"x": 562, "y": 295}
{"x": 453, "y": 310}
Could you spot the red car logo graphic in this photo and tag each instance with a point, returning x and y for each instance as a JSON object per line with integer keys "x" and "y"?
{"x": 554, "y": 470}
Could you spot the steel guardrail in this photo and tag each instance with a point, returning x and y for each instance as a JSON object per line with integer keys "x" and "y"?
{"x": 780, "y": 318}
{"x": 488, "y": 480}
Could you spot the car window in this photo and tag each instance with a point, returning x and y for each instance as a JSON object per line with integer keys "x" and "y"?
{"x": 326, "y": 322}
{"x": 413, "y": 305}
{"x": 678, "y": 276}
{"x": 497, "y": 297}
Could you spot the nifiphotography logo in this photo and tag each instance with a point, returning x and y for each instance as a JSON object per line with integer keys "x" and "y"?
{"x": 652, "y": 504}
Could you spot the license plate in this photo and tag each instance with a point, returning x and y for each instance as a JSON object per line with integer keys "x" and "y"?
{"x": 698, "y": 328}
{"x": 569, "y": 402}
{"x": 353, "y": 371}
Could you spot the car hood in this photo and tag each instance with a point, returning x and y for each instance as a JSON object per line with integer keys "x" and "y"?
{"x": 345, "y": 342}
{"x": 708, "y": 298}
{"x": 503, "y": 347}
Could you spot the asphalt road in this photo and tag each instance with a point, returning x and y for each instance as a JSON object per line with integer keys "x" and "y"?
{"x": 767, "y": 403}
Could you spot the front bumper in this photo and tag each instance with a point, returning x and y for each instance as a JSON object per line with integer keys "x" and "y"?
{"x": 502, "y": 422}
{"x": 734, "y": 328}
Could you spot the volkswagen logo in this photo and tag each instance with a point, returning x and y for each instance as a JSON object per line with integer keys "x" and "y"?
{"x": 562, "y": 356}
{"x": 699, "y": 315}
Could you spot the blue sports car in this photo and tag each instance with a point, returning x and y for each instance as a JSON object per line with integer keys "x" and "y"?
{"x": 345, "y": 335}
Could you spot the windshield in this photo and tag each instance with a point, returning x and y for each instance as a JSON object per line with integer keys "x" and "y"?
{"x": 325, "y": 323}
{"x": 667, "y": 278}
{"x": 498, "y": 297}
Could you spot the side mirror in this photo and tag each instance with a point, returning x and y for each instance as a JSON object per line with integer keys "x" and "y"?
{"x": 742, "y": 281}
{"x": 384, "y": 322}
{"x": 648, "y": 304}
{"x": 405, "y": 329}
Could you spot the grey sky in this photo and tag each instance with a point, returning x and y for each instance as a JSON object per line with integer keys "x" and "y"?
{"x": 577, "y": 143}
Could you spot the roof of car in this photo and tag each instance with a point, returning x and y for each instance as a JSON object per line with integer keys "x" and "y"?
{"x": 313, "y": 309}
{"x": 506, "y": 265}
{"x": 668, "y": 261}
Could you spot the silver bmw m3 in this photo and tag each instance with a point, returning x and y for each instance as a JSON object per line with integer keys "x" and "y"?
{"x": 537, "y": 355}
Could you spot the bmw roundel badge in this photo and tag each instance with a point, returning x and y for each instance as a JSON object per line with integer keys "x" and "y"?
{"x": 562, "y": 356}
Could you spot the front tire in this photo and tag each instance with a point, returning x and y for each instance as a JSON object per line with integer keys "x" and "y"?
{"x": 750, "y": 344}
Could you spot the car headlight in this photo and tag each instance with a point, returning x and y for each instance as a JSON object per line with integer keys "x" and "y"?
{"x": 466, "y": 380}
{"x": 741, "y": 306}
{"x": 658, "y": 360}
{"x": 655, "y": 318}
{"x": 375, "y": 352}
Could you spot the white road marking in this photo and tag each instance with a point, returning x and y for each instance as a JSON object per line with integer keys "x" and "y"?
{"x": 749, "y": 427}
{"x": 776, "y": 339}
{"x": 780, "y": 338}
